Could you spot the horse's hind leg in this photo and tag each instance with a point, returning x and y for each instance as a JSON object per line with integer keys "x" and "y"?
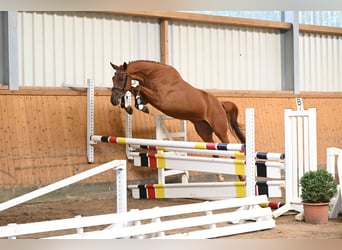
{"x": 139, "y": 104}
{"x": 232, "y": 113}
{"x": 220, "y": 127}
{"x": 128, "y": 109}
{"x": 205, "y": 131}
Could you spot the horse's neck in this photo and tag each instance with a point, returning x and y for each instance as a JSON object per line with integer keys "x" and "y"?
{"x": 142, "y": 74}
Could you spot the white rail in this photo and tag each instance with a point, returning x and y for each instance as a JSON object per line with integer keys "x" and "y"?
{"x": 332, "y": 154}
{"x": 118, "y": 165}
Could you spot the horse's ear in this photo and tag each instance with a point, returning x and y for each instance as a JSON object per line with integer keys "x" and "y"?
{"x": 114, "y": 66}
{"x": 125, "y": 66}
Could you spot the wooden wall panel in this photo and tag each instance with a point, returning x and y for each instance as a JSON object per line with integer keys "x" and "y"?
{"x": 43, "y": 135}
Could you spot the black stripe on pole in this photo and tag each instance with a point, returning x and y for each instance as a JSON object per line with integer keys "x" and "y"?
{"x": 261, "y": 168}
{"x": 105, "y": 139}
{"x": 221, "y": 146}
{"x": 261, "y": 155}
{"x": 262, "y": 187}
{"x": 142, "y": 191}
{"x": 143, "y": 159}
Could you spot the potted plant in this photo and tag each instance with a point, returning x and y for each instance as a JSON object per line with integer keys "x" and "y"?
{"x": 318, "y": 187}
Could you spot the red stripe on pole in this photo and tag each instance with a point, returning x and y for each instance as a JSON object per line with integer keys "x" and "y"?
{"x": 151, "y": 194}
{"x": 275, "y": 205}
{"x": 112, "y": 139}
{"x": 153, "y": 160}
{"x": 210, "y": 145}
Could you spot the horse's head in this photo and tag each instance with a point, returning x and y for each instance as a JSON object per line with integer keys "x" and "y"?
{"x": 121, "y": 83}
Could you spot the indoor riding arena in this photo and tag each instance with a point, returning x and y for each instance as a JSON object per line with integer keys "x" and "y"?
{"x": 60, "y": 179}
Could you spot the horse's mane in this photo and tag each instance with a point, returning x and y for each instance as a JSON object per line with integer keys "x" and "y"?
{"x": 161, "y": 66}
{"x": 165, "y": 66}
{"x": 148, "y": 61}
{"x": 154, "y": 62}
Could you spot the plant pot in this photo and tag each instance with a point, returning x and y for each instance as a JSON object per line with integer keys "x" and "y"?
{"x": 316, "y": 213}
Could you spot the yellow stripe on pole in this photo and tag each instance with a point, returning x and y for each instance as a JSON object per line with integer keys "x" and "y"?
{"x": 121, "y": 140}
{"x": 239, "y": 155}
{"x": 240, "y": 189}
{"x": 161, "y": 162}
{"x": 239, "y": 167}
{"x": 200, "y": 145}
{"x": 160, "y": 191}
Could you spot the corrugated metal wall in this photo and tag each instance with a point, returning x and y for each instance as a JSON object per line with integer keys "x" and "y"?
{"x": 320, "y": 62}
{"x": 226, "y": 57}
{"x": 2, "y": 49}
{"x": 70, "y": 47}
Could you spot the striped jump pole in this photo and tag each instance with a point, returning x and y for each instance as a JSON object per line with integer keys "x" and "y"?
{"x": 270, "y": 156}
{"x": 235, "y": 154}
{"x": 207, "y": 190}
{"x": 267, "y": 169}
{"x": 165, "y": 143}
{"x": 190, "y": 163}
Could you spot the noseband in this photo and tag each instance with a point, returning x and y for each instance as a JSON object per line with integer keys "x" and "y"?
{"x": 123, "y": 88}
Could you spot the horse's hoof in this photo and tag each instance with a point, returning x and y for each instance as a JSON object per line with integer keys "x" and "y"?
{"x": 146, "y": 110}
{"x": 129, "y": 111}
{"x": 242, "y": 177}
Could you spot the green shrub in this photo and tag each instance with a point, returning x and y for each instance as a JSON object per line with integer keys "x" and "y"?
{"x": 317, "y": 186}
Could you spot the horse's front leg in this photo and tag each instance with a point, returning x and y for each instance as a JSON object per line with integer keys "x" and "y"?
{"x": 129, "y": 108}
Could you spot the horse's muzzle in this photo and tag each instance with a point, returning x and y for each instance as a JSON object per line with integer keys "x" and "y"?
{"x": 114, "y": 100}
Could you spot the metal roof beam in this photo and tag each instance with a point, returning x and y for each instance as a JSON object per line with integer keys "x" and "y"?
{"x": 9, "y": 49}
{"x": 290, "y": 52}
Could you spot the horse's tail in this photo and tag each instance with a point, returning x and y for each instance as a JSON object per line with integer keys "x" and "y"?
{"x": 232, "y": 115}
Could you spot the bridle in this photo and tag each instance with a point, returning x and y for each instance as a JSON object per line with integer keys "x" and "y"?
{"x": 121, "y": 90}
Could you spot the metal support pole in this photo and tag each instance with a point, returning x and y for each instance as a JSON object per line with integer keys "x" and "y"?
{"x": 10, "y": 49}
{"x": 129, "y": 124}
{"x": 90, "y": 119}
{"x": 121, "y": 187}
{"x": 250, "y": 155}
{"x": 290, "y": 53}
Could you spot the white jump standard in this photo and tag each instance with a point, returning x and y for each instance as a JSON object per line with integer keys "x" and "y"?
{"x": 248, "y": 148}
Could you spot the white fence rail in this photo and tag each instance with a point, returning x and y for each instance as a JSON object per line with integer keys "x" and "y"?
{"x": 210, "y": 220}
{"x": 332, "y": 155}
{"x": 118, "y": 165}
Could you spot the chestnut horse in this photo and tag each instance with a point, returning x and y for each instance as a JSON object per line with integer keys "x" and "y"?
{"x": 163, "y": 87}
